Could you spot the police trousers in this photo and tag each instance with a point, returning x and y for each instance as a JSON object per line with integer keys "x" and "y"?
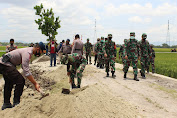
{"x": 12, "y": 77}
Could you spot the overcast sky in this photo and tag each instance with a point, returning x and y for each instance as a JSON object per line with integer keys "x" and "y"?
{"x": 119, "y": 17}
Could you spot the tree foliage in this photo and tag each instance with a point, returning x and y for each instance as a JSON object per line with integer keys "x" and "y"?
{"x": 48, "y": 24}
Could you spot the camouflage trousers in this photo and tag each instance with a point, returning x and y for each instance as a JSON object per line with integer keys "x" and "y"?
{"x": 100, "y": 59}
{"x": 88, "y": 55}
{"x": 124, "y": 61}
{"x": 144, "y": 63}
{"x": 134, "y": 61}
{"x": 110, "y": 61}
{"x": 152, "y": 63}
{"x": 77, "y": 72}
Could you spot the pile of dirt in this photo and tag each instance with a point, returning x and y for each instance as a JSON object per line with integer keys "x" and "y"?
{"x": 45, "y": 82}
{"x": 44, "y": 58}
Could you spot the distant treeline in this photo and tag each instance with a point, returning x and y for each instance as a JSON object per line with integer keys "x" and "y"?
{"x": 164, "y": 45}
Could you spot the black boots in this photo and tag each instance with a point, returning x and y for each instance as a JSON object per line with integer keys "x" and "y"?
{"x": 135, "y": 78}
{"x": 125, "y": 75}
{"x": 73, "y": 86}
{"x": 143, "y": 75}
{"x": 6, "y": 105}
{"x": 78, "y": 86}
{"x": 153, "y": 71}
{"x": 107, "y": 74}
{"x": 113, "y": 74}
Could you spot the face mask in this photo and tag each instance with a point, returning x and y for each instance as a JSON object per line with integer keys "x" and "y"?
{"x": 144, "y": 38}
{"x": 37, "y": 54}
{"x": 110, "y": 38}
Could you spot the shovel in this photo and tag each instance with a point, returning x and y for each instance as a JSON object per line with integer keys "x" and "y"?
{"x": 43, "y": 94}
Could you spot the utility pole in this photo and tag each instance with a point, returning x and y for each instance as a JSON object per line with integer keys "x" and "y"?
{"x": 95, "y": 34}
{"x": 168, "y": 34}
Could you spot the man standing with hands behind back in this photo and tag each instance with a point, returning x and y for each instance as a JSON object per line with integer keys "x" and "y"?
{"x": 78, "y": 45}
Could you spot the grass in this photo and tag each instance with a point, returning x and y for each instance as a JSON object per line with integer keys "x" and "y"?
{"x": 1, "y": 53}
{"x": 4, "y": 47}
{"x": 162, "y": 49}
{"x": 172, "y": 92}
{"x": 165, "y": 64}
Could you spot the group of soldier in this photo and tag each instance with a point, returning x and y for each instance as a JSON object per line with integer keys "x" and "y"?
{"x": 133, "y": 50}
{"x": 105, "y": 53}
{"x": 72, "y": 56}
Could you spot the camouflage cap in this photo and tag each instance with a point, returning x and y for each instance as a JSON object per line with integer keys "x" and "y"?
{"x": 102, "y": 37}
{"x": 144, "y": 34}
{"x": 132, "y": 32}
{"x": 109, "y": 35}
{"x": 64, "y": 59}
{"x": 87, "y": 39}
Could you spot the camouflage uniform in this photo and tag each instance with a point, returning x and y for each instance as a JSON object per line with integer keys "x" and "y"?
{"x": 88, "y": 48}
{"x": 145, "y": 53}
{"x": 132, "y": 52}
{"x": 99, "y": 50}
{"x": 124, "y": 61}
{"x": 152, "y": 59}
{"x": 78, "y": 63}
{"x": 110, "y": 50}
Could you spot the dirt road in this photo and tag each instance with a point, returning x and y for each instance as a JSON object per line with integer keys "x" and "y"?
{"x": 99, "y": 97}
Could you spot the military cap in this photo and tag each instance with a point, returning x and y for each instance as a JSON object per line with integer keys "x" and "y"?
{"x": 132, "y": 32}
{"x": 64, "y": 59}
{"x": 102, "y": 37}
{"x": 109, "y": 35}
{"x": 88, "y": 39}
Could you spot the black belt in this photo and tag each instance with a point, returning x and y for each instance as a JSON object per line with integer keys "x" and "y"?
{"x": 66, "y": 53}
{"x": 77, "y": 49}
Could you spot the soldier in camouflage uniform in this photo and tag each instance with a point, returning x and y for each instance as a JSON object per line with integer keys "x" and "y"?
{"x": 78, "y": 63}
{"x": 94, "y": 47}
{"x": 88, "y": 49}
{"x": 131, "y": 52}
{"x": 121, "y": 50}
{"x": 99, "y": 50}
{"x": 121, "y": 55}
{"x": 110, "y": 55}
{"x": 145, "y": 54}
{"x": 152, "y": 60}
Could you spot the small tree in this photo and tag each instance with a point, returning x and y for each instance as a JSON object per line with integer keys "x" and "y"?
{"x": 48, "y": 24}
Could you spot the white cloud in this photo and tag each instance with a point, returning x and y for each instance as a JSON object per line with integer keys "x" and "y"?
{"x": 138, "y": 19}
{"x": 135, "y": 19}
{"x": 137, "y": 9}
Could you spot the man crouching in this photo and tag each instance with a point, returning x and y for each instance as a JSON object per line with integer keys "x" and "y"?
{"x": 78, "y": 63}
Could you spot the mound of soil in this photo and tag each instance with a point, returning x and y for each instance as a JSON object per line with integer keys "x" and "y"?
{"x": 44, "y": 58}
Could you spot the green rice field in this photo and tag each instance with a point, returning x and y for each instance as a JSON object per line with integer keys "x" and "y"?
{"x": 3, "y": 48}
